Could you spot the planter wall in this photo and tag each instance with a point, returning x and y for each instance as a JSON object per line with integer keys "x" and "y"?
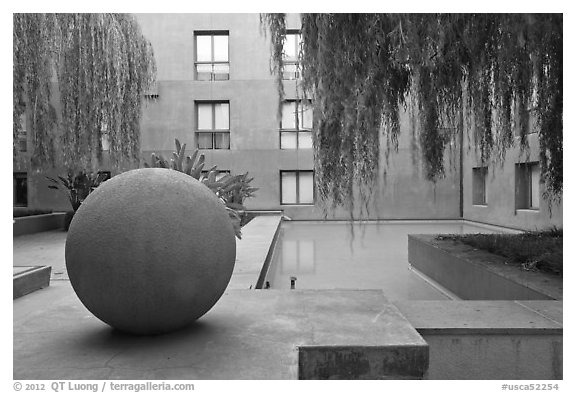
{"x": 486, "y": 340}
{"x": 40, "y": 223}
{"x": 478, "y": 275}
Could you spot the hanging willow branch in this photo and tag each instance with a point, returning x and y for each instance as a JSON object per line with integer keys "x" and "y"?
{"x": 363, "y": 69}
{"x": 103, "y": 66}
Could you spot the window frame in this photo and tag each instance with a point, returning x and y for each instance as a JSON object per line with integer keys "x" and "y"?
{"x": 212, "y": 62}
{"x": 23, "y": 134}
{"x": 297, "y": 172}
{"x": 214, "y": 132}
{"x": 297, "y": 130}
{"x": 483, "y": 171}
{"x": 523, "y": 195}
{"x": 19, "y": 176}
{"x": 223, "y": 172}
{"x": 296, "y": 75}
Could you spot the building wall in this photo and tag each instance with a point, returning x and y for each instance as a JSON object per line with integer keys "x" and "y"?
{"x": 494, "y": 356}
{"x": 254, "y": 141}
{"x": 500, "y": 208}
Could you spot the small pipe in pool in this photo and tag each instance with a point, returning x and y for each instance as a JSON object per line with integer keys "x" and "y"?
{"x": 292, "y": 282}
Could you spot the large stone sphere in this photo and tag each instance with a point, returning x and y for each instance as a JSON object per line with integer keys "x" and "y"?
{"x": 150, "y": 251}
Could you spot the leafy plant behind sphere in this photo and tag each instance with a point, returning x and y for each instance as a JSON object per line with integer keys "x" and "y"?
{"x": 479, "y": 72}
{"x": 77, "y": 187}
{"x": 230, "y": 190}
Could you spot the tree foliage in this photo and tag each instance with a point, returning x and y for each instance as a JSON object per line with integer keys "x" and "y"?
{"x": 485, "y": 74}
{"x": 95, "y": 69}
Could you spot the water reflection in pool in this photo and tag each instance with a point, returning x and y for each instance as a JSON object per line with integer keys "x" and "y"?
{"x": 326, "y": 255}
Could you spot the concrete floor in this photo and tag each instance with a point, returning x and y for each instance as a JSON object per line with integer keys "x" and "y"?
{"x": 249, "y": 334}
{"x": 41, "y": 249}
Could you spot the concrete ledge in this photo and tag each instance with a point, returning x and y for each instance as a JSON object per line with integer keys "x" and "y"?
{"x": 268, "y": 260}
{"x": 478, "y": 275}
{"x": 484, "y": 317}
{"x": 39, "y": 223}
{"x": 265, "y": 212}
{"x": 490, "y": 339}
{"x": 356, "y": 335}
{"x": 28, "y": 279}
{"x": 253, "y": 250}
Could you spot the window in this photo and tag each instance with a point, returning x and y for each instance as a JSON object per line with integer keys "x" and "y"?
{"x": 290, "y": 55}
{"x": 219, "y": 174}
{"x": 22, "y": 136}
{"x": 213, "y": 125}
{"x": 479, "y": 185}
{"x": 528, "y": 185}
{"x": 296, "y": 187}
{"x": 212, "y": 62}
{"x": 20, "y": 189}
{"x": 104, "y": 137}
{"x": 296, "y": 125}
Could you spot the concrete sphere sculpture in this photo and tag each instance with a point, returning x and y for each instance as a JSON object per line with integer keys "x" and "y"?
{"x": 150, "y": 251}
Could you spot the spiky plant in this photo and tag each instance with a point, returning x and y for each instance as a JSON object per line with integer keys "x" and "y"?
{"x": 232, "y": 191}
{"x": 76, "y": 187}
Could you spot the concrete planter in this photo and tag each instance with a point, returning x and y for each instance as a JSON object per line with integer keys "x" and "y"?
{"x": 39, "y": 223}
{"x": 474, "y": 274}
{"x": 28, "y": 279}
{"x": 486, "y": 340}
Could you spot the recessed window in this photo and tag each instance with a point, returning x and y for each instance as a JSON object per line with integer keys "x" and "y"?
{"x": 105, "y": 137}
{"x": 290, "y": 53}
{"x": 479, "y": 185}
{"x": 297, "y": 187}
{"x": 20, "y": 189}
{"x": 212, "y": 62}
{"x": 219, "y": 174}
{"x": 22, "y": 136}
{"x": 213, "y": 125}
{"x": 528, "y": 185}
{"x": 296, "y": 125}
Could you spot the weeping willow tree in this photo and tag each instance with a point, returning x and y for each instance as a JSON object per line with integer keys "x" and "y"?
{"x": 95, "y": 69}
{"x": 482, "y": 74}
